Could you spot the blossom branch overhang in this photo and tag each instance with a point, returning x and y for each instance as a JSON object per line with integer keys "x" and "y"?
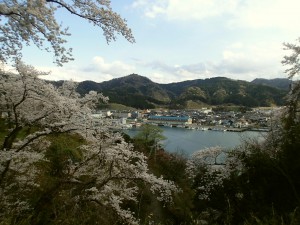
{"x": 11, "y": 13}
{"x": 108, "y": 24}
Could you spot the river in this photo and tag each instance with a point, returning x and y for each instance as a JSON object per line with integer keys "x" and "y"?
{"x": 189, "y": 141}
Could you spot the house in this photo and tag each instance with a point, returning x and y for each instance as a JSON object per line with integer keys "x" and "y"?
{"x": 170, "y": 120}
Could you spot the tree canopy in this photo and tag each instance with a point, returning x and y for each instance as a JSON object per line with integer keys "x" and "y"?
{"x": 34, "y": 22}
{"x": 40, "y": 174}
{"x": 150, "y": 133}
{"x": 292, "y": 60}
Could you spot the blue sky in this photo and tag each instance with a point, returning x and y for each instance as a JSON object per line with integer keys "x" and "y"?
{"x": 179, "y": 40}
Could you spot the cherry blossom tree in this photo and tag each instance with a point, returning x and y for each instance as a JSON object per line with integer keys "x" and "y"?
{"x": 293, "y": 100}
{"x": 207, "y": 169}
{"x": 106, "y": 171}
{"x": 290, "y": 129}
{"x": 34, "y": 22}
{"x": 292, "y": 60}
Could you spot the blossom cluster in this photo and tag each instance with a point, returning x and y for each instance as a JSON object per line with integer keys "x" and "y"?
{"x": 209, "y": 167}
{"x": 108, "y": 171}
{"x": 34, "y": 22}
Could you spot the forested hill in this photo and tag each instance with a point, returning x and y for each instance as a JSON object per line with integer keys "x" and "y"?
{"x": 281, "y": 83}
{"x": 140, "y": 92}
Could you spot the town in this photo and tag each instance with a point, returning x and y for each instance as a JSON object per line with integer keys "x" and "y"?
{"x": 257, "y": 119}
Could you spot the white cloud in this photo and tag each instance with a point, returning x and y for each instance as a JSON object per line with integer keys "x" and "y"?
{"x": 115, "y": 68}
{"x": 283, "y": 14}
{"x": 259, "y": 59}
{"x": 239, "y": 61}
{"x": 99, "y": 70}
{"x": 247, "y": 62}
{"x": 199, "y": 9}
{"x": 151, "y": 9}
{"x": 185, "y": 10}
{"x": 161, "y": 78}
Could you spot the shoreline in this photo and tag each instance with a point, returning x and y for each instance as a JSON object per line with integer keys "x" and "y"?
{"x": 205, "y": 127}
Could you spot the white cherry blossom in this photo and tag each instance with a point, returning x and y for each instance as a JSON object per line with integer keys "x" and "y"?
{"x": 108, "y": 171}
{"x": 34, "y": 22}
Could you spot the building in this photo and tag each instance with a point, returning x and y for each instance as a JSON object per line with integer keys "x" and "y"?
{"x": 170, "y": 120}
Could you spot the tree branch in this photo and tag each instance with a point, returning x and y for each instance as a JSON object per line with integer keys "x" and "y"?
{"x": 76, "y": 13}
{"x": 9, "y": 13}
{"x": 3, "y": 173}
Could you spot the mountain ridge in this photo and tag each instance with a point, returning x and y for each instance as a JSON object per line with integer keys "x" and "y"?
{"x": 140, "y": 92}
{"x": 281, "y": 83}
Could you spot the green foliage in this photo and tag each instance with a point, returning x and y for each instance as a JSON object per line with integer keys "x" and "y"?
{"x": 130, "y": 99}
{"x": 149, "y": 137}
{"x": 150, "y": 133}
{"x": 133, "y": 90}
{"x": 280, "y": 83}
{"x": 53, "y": 201}
{"x": 140, "y": 92}
{"x": 115, "y": 106}
{"x": 172, "y": 167}
{"x": 275, "y": 219}
{"x": 61, "y": 151}
{"x": 228, "y": 108}
{"x": 265, "y": 188}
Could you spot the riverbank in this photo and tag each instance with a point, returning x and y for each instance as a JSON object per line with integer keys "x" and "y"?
{"x": 205, "y": 127}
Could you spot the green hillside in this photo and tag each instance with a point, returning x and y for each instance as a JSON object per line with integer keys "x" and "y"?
{"x": 140, "y": 92}
{"x": 281, "y": 83}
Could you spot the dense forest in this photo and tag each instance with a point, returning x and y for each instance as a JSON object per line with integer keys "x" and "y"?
{"x": 141, "y": 93}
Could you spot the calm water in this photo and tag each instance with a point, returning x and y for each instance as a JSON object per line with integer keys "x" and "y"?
{"x": 189, "y": 141}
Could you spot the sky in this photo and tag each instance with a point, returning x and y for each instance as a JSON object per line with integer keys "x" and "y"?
{"x": 178, "y": 40}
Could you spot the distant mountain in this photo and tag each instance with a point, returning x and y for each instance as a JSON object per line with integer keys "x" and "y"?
{"x": 221, "y": 90}
{"x": 281, "y": 83}
{"x": 140, "y": 92}
{"x": 133, "y": 90}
